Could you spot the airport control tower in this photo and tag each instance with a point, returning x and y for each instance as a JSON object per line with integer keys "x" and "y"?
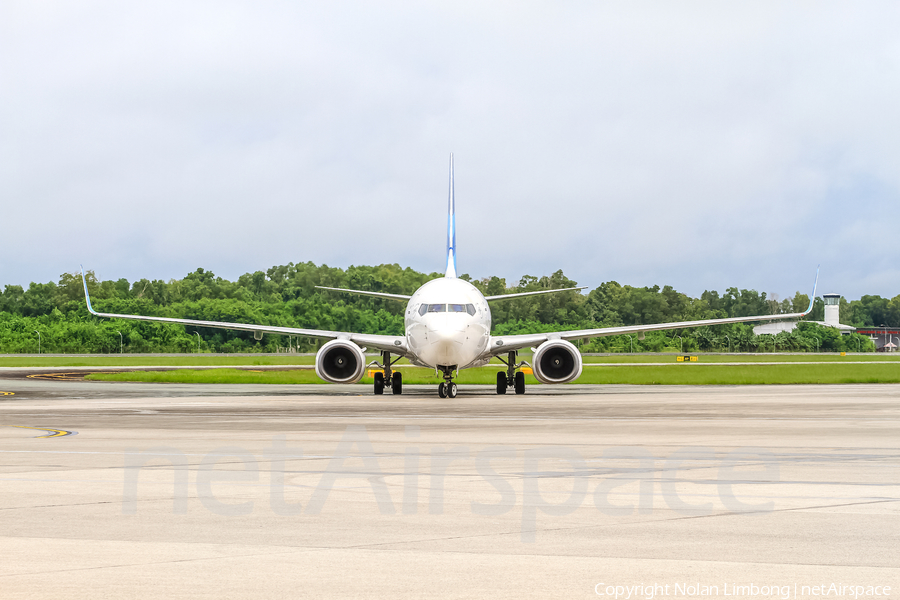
{"x": 832, "y": 309}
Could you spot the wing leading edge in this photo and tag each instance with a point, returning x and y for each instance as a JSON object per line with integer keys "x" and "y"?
{"x": 394, "y": 343}
{"x": 501, "y": 344}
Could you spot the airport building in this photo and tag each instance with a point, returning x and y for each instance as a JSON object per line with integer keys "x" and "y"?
{"x": 887, "y": 339}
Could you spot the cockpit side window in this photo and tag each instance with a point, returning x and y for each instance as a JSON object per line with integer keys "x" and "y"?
{"x": 470, "y": 308}
{"x": 422, "y": 309}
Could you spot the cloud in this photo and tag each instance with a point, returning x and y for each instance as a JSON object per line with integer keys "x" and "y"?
{"x": 698, "y": 145}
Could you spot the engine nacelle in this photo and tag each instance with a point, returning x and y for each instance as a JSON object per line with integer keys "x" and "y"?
{"x": 556, "y": 361}
{"x": 340, "y": 361}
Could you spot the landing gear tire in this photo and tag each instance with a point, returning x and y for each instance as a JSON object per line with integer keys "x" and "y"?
{"x": 452, "y": 389}
{"x": 397, "y": 384}
{"x": 379, "y": 384}
{"x": 520, "y": 382}
{"x": 501, "y": 382}
{"x": 442, "y": 390}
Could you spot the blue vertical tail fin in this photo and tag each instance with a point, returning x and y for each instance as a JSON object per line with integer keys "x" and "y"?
{"x": 451, "y": 228}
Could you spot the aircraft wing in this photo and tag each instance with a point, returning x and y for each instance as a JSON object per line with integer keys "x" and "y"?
{"x": 505, "y": 343}
{"x": 394, "y": 343}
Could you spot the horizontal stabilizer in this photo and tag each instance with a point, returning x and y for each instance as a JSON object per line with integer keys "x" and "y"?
{"x": 519, "y": 295}
{"x": 366, "y": 293}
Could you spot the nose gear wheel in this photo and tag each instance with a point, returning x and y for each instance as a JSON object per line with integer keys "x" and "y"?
{"x": 447, "y": 389}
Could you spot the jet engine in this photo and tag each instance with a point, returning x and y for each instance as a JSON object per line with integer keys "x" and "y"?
{"x": 340, "y": 361}
{"x": 556, "y": 361}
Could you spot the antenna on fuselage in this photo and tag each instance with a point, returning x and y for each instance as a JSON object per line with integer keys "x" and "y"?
{"x": 451, "y": 228}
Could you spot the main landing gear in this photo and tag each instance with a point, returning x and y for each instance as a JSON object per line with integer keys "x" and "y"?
{"x": 447, "y": 389}
{"x": 387, "y": 376}
{"x": 512, "y": 377}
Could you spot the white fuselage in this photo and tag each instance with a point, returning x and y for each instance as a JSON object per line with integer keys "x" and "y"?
{"x": 448, "y": 324}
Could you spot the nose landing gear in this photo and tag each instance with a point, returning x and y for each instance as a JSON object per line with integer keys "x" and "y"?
{"x": 447, "y": 389}
{"x": 512, "y": 377}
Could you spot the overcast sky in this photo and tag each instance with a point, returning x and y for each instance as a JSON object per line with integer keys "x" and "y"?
{"x": 697, "y": 144}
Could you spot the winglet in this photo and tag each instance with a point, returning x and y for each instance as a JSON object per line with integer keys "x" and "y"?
{"x": 451, "y": 227}
{"x": 812, "y": 298}
{"x": 87, "y": 296}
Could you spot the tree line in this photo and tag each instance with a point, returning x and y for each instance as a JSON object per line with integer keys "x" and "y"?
{"x": 286, "y": 296}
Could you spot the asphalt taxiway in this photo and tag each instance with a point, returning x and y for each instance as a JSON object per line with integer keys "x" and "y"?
{"x": 260, "y": 491}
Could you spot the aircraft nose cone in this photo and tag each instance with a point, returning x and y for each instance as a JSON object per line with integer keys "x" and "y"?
{"x": 448, "y": 338}
{"x": 444, "y": 346}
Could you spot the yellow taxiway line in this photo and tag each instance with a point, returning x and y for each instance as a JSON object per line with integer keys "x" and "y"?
{"x": 53, "y": 432}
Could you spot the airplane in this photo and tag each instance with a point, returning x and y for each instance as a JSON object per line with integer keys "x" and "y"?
{"x": 447, "y": 326}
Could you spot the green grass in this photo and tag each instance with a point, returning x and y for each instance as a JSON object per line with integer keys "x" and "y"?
{"x": 729, "y": 358}
{"x": 212, "y": 376}
{"x": 676, "y": 374}
{"x": 694, "y": 374}
{"x": 143, "y": 360}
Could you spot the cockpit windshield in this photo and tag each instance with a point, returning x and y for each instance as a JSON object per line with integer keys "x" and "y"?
{"x": 455, "y": 308}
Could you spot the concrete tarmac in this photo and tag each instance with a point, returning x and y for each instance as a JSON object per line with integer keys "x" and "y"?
{"x": 196, "y": 491}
